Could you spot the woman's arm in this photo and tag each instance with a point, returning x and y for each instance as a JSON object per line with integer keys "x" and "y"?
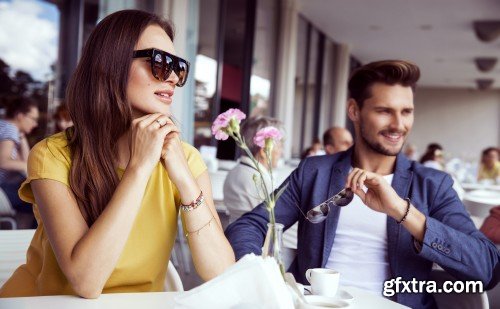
{"x": 88, "y": 255}
{"x": 210, "y": 249}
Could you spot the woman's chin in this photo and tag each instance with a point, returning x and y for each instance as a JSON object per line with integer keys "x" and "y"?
{"x": 137, "y": 113}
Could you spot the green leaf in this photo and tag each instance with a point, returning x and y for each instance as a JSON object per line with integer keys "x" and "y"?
{"x": 281, "y": 190}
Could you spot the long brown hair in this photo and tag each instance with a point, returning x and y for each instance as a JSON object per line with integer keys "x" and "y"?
{"x": 98, "y": 105}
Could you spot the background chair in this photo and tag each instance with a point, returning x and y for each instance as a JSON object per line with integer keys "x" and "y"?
{"x": 13, "y": 247}
{"x": 173, "y": 282}
{"x": 455, "y": 300}
{"x": 7, "y": 213}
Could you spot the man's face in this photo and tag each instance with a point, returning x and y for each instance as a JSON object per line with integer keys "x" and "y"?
{"x": 385, "y": 119}
{"x": 29, "y": 121}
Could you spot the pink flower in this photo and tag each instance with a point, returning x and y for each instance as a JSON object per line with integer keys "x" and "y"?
{"x": 228, "y": 121}
{"x": 265, "y": 135}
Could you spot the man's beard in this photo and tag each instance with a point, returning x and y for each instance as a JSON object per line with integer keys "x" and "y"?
{"x": 376, "y": 146}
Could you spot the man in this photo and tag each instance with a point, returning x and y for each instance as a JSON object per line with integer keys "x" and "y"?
{"x": 409, "y": 217}
{"x": 336, "y": 139}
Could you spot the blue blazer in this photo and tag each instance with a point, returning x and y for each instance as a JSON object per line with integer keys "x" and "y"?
{"x": 451, "y": 240}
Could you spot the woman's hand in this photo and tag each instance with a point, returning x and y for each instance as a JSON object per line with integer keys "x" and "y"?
{"x": 148, "y": 135}
{"x": 174, "y": 159}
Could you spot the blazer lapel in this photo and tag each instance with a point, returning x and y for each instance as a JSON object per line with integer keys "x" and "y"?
{"x": 401, "y": 184}
{"x": 340, "y": 171}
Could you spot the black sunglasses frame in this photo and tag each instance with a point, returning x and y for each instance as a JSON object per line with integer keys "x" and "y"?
{"x": 170, "y": 66}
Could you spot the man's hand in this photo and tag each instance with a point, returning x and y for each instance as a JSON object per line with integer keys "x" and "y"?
{"x": 380, "y": 196}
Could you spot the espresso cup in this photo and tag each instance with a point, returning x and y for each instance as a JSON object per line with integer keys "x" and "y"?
{"x": 324, "y": 282}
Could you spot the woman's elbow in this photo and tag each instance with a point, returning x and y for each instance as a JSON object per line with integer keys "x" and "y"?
{"x": 85, "y": 288}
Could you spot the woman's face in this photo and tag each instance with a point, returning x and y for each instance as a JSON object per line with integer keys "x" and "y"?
{"x": 145, "y": 93}
{"x": 490, "y": 158}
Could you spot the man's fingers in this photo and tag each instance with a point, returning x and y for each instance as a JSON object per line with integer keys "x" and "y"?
{"x": 362, "y": 195}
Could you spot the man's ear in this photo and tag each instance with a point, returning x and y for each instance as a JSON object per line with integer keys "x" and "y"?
{"x": 329, "y": 149}
{"x": 352, "y": 110}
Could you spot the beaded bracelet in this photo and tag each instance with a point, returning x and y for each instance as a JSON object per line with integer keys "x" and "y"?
{"x": 407, "y": 211}
{"x": 194, "y": 204}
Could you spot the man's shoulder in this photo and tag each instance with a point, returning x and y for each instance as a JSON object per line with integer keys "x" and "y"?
{"x": 322, "y": 162}
{"x": 8, "y": 131}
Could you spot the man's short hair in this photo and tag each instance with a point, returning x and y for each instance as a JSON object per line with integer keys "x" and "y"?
{"x": 389, "y": 72}
{"x": 253, "y": 124}
{"x": 328, "y": 138}
{"x": 19, "y": 105}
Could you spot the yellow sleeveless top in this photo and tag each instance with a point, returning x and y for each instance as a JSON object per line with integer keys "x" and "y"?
{"x": 143, "y": 263}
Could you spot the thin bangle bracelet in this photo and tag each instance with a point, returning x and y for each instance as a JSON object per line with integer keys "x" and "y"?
{"x": 197, "y": 232}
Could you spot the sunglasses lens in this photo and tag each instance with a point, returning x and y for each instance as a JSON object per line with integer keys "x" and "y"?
{"x": 182, "y": 72}
{"x": 162, "y": 67}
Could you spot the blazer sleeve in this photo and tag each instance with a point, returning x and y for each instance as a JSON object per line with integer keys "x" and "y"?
{"x": 247, "y": 234}
{"x": 453, "y": 242}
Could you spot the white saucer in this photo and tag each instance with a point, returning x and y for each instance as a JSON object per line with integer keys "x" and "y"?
{"x": 341, "y": 294}
{"x": 316, "y": 302}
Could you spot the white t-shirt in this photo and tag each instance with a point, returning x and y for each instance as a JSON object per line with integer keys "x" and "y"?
{"x": 359, "y": 250}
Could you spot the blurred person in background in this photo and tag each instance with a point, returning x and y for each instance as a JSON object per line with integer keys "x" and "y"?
{"x": 240, "y": 191}
{"x": 62, "y": 118}
{"x": 336, "y": 139}
{"x": 316, "y": 149}
{"x": 433, "y": 157}
{"x": 411, "y": 152}
{"x": 22, "y": 117}
{"x": 490, "y": 165}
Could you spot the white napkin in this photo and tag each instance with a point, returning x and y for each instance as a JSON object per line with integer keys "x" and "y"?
{"x": 253, "y": 282}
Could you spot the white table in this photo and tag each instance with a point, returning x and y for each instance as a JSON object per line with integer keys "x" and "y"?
{"x": 162, "y": 300}
{"x": 480, "y": 186}
{"x": 480, "y": 202}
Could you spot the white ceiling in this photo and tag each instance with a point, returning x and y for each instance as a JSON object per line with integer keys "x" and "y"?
{"x": 396, "y": 29}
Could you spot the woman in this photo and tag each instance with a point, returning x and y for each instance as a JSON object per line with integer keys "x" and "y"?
{"x": 433, "y": 157}
{"x": 22, "y": 117}
{"x": 107, "y": 192}
{"x": 490, "y": 165}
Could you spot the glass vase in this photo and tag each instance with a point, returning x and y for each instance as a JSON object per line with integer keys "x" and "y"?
{"x": 273, "y": 244}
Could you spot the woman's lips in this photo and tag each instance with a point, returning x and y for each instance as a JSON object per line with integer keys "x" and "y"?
{"x": 164, "y": 96}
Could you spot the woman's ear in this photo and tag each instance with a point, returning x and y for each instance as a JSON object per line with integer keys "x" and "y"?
{"x": 352, "y": 110}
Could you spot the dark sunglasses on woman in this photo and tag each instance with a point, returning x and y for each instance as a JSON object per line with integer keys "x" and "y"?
{"x": 163, "y": 63}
